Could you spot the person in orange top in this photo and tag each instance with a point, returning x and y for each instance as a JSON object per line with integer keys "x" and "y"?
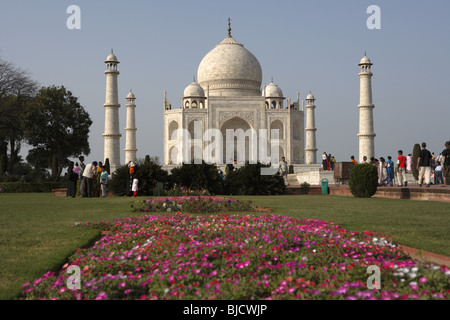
{"x": 354, "y": 161}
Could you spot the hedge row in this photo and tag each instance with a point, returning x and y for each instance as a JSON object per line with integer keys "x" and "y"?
{"x": 30, "y": 187}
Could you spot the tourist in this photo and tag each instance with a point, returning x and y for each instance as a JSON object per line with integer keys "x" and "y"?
{"x": 72, "y": 181}
{"x": 329, "y": 162}
{"x": 438, "y": 172}
{"x": 433, "y": 161}
{"x": 390, "y": 171}
{"x": 134, "y": 188}
{"x": 401, "y": 170}
{"x": 409, "y": 163}
{"x": 96, "y": 180}
{"x": 88, "y": 176}
{"x": 76, "y": 169}
{"x": 131, "y": 167}
{"x": 104, "y": 181}
{"x": 364, "y": 160}
{"x": 80, "y": 175}
{"x": 324, "y": 161}
{"x": 382, "y": 172}
{"x": 283, "y": 170}
{"x": 333, "y": 162}
{"x": 446, "y": 162}
{"x": 353, "y": 160}
{"x": 424, "y": 165}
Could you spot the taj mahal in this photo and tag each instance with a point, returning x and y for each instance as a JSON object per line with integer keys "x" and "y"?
{"x": 228, "y": 95}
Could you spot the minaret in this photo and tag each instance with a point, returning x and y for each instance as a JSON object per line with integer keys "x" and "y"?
{"x": 366, "y": 128}
{"x": 130, "y": 148}
{"x": 112, "y": 132}
{"x": 311, "y": 148}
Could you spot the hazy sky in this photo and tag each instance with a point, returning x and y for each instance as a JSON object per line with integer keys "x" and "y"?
{"x": 304, "y": 45}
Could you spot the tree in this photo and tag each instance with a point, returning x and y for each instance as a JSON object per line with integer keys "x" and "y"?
{"x": 147, "y": 172}
{"x": 16, "y": 92}
{"x": 415, "y": 158}
{"x": 56, "y": 124}
{"x": 248, "y": 180}
{"x": 198, "y": 177}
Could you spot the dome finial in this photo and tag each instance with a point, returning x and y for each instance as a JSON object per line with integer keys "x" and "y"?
{"x": 229, "y": 27}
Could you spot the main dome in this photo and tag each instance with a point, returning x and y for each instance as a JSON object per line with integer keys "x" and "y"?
{"x": 230, "y": 70}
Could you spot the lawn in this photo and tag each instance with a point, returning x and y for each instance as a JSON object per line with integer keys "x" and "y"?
{"x": 37, "y": 233}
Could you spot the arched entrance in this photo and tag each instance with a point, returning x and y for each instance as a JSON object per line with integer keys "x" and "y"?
{"x": 241, "y": 136}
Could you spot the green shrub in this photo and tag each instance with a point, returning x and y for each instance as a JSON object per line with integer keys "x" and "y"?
{"x": 31, "y": 187}
{"x": 305, "y": 187}
{"x": 248, "y": 180}
{"x": 148, "y": 174}
{"x": 415, "y": 158}
{"x": 364, "y": 180}
{"x": 198, "y": 177}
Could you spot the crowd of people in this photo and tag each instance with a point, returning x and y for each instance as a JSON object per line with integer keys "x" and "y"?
{"x": 432, "y": 169}
{"x": 93, "y": 179}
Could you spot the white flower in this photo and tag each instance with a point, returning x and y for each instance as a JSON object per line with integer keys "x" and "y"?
{"x": 415, "y": 269}
{"x": 169, "y": 209}
{"x": 166, "y": 290}
{"x": 402, "y": 280}
{"x": 413, "y": 283}
{"x": 447, "y": 273}
{"x": 413, "y": 275}
{"x": 314, "y": 250}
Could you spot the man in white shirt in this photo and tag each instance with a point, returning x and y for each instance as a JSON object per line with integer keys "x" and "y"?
{"x": 88, "y": 176}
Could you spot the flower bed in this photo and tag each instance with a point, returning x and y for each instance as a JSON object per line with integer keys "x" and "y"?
{"x": 178, "y": 256}
{"x": 200, "y": 204}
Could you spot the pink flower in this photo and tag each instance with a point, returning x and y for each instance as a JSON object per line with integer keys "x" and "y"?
{"x": 423, "y": 280}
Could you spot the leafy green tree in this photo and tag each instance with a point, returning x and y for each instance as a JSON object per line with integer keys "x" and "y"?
{"x": 248, "y": 180}
{"x": 147, "y": 172}
{"x": 198, "y": 177}
{"x": 56, "y": 124}
{"x": 415, "y": 158}
{"x": 363, "y": 181}
{"x": 16, "y": 92}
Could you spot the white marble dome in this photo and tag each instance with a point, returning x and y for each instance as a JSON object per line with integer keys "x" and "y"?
{"x": 310, "y": 97}
{"x": 230, "y": 69}
{"x": 194, "y": 90}
{"x": 131, "y": 96}
{"x": 111, "y": 58}
{"x": 273, "y": 91}
{"x": 365, "y": 60}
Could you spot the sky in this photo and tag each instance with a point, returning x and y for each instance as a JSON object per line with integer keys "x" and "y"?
{"x": 304, "y": 45}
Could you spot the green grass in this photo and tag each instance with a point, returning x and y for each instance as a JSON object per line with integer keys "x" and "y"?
{"x": 37, "y": 234}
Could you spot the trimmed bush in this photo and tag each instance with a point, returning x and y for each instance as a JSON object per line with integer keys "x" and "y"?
{"x": 198, "y": 177}
{"x": 363, "y": 181}
{"x": 31, "y": 187}
{"x": 248, "y": 180}
{"x": 305, "y": 187}
{"x": 148, "y": 174}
